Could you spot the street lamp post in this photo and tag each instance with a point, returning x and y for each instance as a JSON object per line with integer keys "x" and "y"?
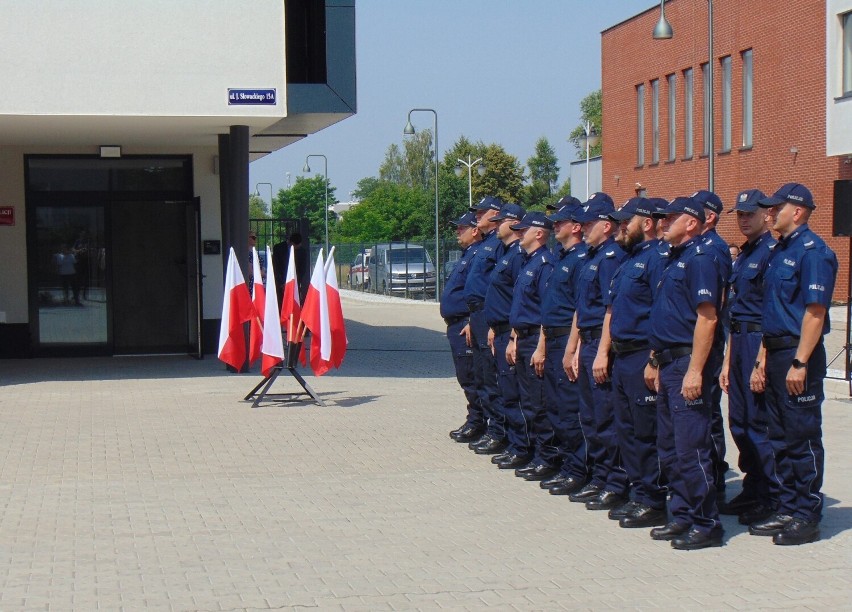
{"x": 271, "y": 191}
{"x": 663, "y": 31}
{"x": 409, "y": 131}
{"x": 480, "y": 169}
{"x": 307, "y": 169}
{"x": 590, "y": 139}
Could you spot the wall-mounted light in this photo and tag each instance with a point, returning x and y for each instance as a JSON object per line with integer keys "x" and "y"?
{"x": 110, "y": 151}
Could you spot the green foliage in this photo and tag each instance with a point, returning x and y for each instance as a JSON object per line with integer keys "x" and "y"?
{"x": 258, "y": 208}
{"x": 414, "y": 165}
{"x": 591, "y": 110}
{"x": 389, "y": 212}
{"x": 504, "y": 175}
{"x": 365, "y": 187}
{"x": 306, "y": 198}
{"x": 543, "y": 165}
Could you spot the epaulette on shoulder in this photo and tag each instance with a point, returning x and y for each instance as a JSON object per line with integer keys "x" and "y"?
{"x": 610, "y": 253}
{"x": 810, "y": 244}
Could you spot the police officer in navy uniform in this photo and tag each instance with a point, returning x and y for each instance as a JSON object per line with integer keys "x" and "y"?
{"x": 557, "y": 317}
{"x": 798, "y": 283}
{"x": 525, "y": 319}
{"x": 632, "y": 292}
{"x": 747, "y": 417}
{"x": 498, "y": 304}
{"x": 607, "y": 488}
{"x": 712, "y": 209}
{"x": 484, "y": 363}
{"x": 456, "y": 314}
{"x": 683, "y": 320}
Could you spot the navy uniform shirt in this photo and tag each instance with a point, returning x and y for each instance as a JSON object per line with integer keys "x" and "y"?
{"x": 595, "y": 278}
{"x": 801, "y": 271}
{"x": 453, "y": 303}
{"x": 720, "y": 249}
{"x": 632, "y": 291}
{"x": 560, "y": 299}
{"x": 745, "y": 293}
{"x": 690, "y": 278}
{"x": 498, "y": 298}
{"x": 476, "y": 285}
{"x": 529, "y": 289}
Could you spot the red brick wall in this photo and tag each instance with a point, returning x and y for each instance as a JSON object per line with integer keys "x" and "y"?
{"x": 789, "y": 100}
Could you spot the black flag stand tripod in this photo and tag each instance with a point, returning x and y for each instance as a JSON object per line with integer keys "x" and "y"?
{"x": 261, "y": 391}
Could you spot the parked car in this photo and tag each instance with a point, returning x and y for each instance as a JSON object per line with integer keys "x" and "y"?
{"x": 402, "y": 269}
{"x": 359, "y": 271}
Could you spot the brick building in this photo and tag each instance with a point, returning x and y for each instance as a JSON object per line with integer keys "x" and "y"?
{"x": 769, "y": 92}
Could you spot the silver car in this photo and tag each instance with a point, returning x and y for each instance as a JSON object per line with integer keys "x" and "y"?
{"x": 402, "y": 269}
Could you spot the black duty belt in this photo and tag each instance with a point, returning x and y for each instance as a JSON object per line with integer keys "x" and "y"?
{"x": 526, "y": 332}
{"x": 591, "y": 333}
{"x": 501, "y": 328}
{"x": 670, "y": 354}
{"x": 556, "y": 332}
{"x": 475, "y": 306}
{"x": 743, "y": 326}
{"x": 630, "y": 346}
{"x": 774, "y": 343}
{"x": 453, "y": 320}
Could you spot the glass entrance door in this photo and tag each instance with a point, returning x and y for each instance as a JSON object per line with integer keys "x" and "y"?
{"x": 70, "y": 277}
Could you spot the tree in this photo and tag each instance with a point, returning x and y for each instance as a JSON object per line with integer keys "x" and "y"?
{"x": 306, "y": 198}
{"x": 365, "y": 187}
{"x": 504, "y": 176}
{"x": 391, "y": 212}
{"x": 591, "y": 110}
{"x": 257, "y": 207}
{"x": 543, "y": 166}
{"x": 414, "y": 165}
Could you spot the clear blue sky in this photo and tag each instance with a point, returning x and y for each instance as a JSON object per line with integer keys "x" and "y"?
{"x": 504, "y": 71}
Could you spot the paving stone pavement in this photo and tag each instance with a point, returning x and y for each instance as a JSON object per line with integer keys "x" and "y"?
{"x": 148, "y": 483}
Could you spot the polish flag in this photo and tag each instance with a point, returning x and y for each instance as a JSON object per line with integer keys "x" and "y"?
{"x": 335, "y": 313}
{"x": 272, "y": 347}
{"x": 291, "y": 309}
{"x": 236, "y": 310}
{"x": 315, "y": 316}
{"x": 259, "y": 300}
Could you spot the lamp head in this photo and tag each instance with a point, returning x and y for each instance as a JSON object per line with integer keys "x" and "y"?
{"x": 593, "y": 137}
{"x": 409, "y": 129}
{"x": 663, "y": 29}
{"x": 306, "y": 168}
{"x": 480, "y": 169}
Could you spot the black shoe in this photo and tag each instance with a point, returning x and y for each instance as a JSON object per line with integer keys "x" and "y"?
{"x": 512, "y": 462}
{"x": 588, "y": 492}
{"x": 559, "y": 478}
{"x": 457, "y": 431}
{"x": 774, "y": 524}
{"x": 799, "y": 531}
{"x": 695, "y": 540}
{"x": 480, "y": 440}
{"x": 605, "y": 501}
{"x": 755, "y": 514}
{"x": 644, "y": 516}
{"x": 469, "y": 434}
{"x": 491, "y": 447}
{"x": 528, "y": 467}
{"x": 501, "y": 457}
{"x": 619, "y": 512}
{"x": 740, "y": 504}
{"x": 568, "y": 486}
{"x": 669, "y": 531}
{"x": 542, "y": 472}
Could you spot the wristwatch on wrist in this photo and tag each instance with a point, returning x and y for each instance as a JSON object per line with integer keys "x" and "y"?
{"x": 652, "y": 361}
{"x": 756, "y": 365}
{"x": 799, "y": 364}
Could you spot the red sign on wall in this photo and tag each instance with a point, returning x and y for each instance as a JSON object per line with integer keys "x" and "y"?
{"x": 7, "y": 215}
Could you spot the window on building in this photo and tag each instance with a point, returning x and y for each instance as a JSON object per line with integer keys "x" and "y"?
{"x": 747, "y": 97}
{"x": 705, "y": 80}
{"x": 640, "y": 125}
{"x": 726, "y": 103}
{"x": 847, "y": 53}
{"x": 687, "y": 113}
{"x": 655, "y": 121}
{"x": 672, "y": 122}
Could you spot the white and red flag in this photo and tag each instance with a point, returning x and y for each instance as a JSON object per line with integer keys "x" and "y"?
{"x": 291, "y": 308}
{"x": 315, "y": 317}
{"x": 258, "y": 298}
{"x": 272, "y": 347}
{"x": 337, "y": 326}
{"x": 236, "y": 310}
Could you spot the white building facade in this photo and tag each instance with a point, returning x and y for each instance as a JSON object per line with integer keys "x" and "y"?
{"x": 126, "y": 130}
